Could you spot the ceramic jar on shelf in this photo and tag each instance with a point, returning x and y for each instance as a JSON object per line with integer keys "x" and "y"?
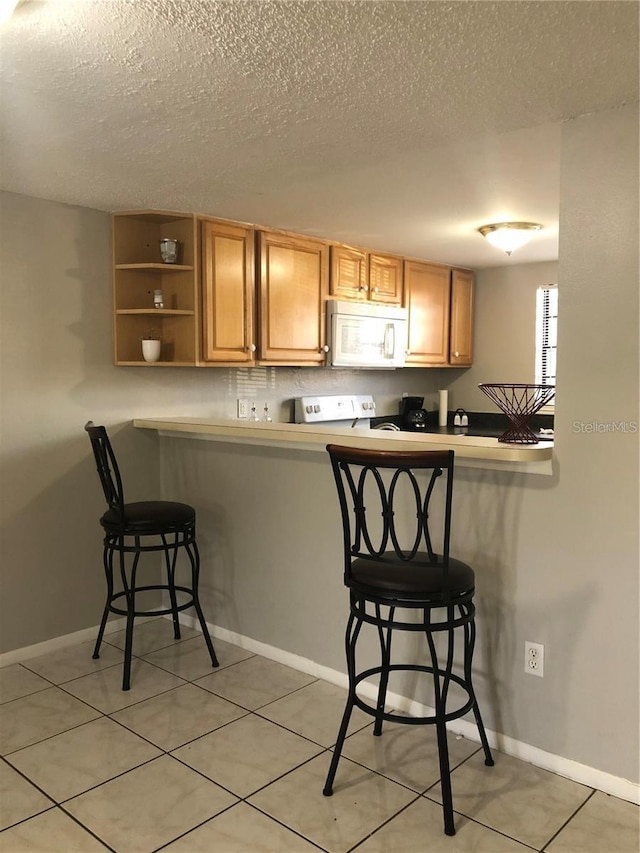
{"x": 151, "y": 349}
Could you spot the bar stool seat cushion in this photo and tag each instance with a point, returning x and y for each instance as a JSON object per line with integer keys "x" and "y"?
{"x": 419, "y": 578}
{"x": 146, "y": 517}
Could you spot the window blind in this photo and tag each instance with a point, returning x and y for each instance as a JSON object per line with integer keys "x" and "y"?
{"x": 546, "y": 334}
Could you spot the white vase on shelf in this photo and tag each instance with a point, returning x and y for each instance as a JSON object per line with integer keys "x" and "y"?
{"x": 151, "y": 349}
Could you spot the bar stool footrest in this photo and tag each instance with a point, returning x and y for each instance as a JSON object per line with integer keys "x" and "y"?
{"x": 413, "y": 721}
{"x": 165, "y": 611}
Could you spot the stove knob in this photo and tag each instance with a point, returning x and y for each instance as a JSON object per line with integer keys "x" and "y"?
{"x": 316, "y": 408}
{"x": 308, "y": 409}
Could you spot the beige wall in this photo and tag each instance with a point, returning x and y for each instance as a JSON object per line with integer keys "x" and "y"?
{"x": 592, "y": 558}
{"x": 505, "y": 345}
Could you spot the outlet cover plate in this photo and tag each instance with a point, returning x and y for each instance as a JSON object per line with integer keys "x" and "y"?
{"x": 534, "y": 658}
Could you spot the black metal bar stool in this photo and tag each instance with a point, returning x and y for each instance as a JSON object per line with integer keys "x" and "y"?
{"x": 390, "y": 565}
{"x": 136, "y": 529}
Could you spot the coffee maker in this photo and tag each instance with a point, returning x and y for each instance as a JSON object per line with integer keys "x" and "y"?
{"x": 414, "y": 417}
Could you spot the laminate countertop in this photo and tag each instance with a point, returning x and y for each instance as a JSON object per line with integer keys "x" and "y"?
{"x": 471, "y": 451}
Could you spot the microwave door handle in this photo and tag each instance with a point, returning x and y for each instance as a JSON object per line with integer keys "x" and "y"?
{"x": 389, "y": 340}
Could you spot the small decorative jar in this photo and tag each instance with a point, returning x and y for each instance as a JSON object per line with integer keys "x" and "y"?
{"x": 169, "y": 250}
{"x": 151, "y": 348}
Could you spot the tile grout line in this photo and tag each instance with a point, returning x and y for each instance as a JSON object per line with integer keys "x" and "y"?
{"x": 249, "y": 712}
{"x": 86, "y": 828}
{"x": 393, "y": 817}
{"x": 568, "y": 820}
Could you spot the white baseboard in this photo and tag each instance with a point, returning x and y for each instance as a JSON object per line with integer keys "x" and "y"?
{"x": 48, "y": 646}
{"x": 585, "y": 775}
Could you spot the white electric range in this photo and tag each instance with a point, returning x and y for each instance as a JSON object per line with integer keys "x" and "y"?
{"x": 343, "y": 410}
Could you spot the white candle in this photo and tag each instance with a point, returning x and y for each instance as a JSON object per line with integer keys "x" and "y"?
{"x": 444, "y": 404}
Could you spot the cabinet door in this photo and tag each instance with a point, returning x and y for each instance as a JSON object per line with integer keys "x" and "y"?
{"x": 294, "y": 281}
{"x": 385, "y": 279}
{"x": 461, "y": 339}
{"x": 427, "y": 289}
{"x": 348, "y": 273}
{"x": 227, "y": 293}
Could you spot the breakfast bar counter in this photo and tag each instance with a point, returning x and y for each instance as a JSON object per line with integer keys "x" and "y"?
{"x": 471, "y": 451}
{"x": 270, "y": 538}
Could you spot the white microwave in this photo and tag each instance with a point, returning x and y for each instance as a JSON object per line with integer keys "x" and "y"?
{"x": 364, "y": 335}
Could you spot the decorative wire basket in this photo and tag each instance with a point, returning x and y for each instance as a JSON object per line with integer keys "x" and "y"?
{"x": 519, "y": 403}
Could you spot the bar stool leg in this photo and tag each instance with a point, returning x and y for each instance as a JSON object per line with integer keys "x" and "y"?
{"x": 445, "y": 773}
{"x": 350, "y": 644}
{"x": 441, "y": 729}
{"x": 194, "y": 557}
{"x": 385, "y": 660}
{"x": 130, "y": 596}
{"x": 171, "y": 580}
{"x": 469, "y": 645}
{"x": 107, "y": 559}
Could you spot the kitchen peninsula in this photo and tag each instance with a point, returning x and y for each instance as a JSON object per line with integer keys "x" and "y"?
{"x": 471, "y": 451}
{"x": 270, "y": 538}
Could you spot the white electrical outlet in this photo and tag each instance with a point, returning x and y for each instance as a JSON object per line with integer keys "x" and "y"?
{"x": 243, "y": 409}
{"x": 534, "y": 658}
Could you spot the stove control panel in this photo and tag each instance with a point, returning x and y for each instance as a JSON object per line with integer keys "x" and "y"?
{"x": 334, "y": 408}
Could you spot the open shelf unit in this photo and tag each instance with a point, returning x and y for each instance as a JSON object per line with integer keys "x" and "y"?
{"x": 138, "y": 271}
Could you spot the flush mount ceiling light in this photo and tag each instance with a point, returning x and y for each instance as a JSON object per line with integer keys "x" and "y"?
{"x": 7, "y": 8}
{"x": 509, "y": 236}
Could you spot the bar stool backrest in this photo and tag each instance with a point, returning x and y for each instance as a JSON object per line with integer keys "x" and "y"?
{"x": 107, "y": 465}
{"x": 385, "y": 504}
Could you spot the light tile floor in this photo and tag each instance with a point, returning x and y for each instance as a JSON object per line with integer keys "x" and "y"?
{"x": 233, "y": 761}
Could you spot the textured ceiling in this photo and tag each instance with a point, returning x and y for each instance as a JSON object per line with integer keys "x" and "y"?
{"x": 397, "y": 125}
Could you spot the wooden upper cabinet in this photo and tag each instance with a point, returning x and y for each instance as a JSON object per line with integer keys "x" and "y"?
{"x": 293, "y": 286}
{"x": 138, "y": 272}
{"x": 349, "y": 273}
{"x": 228, "y": 282}
{"x": 238, "y": 296}
{"x": 461, "y": 338}
{"x": 427, "y": 298}
{"x": 385, "y": 279}
{"x": 358, "y": 274}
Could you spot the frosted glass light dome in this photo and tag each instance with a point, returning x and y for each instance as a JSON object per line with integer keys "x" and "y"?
{"x": 509, "y": 236}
